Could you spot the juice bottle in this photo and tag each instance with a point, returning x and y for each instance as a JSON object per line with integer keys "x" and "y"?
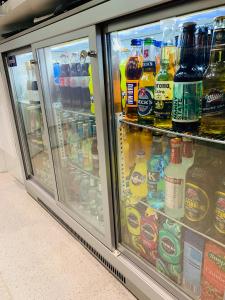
{"x": 116, "y": 81}
{"x": 133, "y": 74}
{"x": 138, "y": 180}
{"x": 147, "y": 83}
{"x": 91, "y": 89}
{"x": 123, "y": 61}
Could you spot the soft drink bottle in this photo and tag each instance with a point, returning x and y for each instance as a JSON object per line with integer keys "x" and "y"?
{"x": 56, "y": 81}
{"x": 138, "y": 180}
{"x": 123, "y": 61}
{"x": 85, "y": 92}
{"x": 94, "y": 151}
{"x": 90, "y": 85}
{"x": 75, "y": 89}
{"x": 64, "y": 79}
{"x": 133, "y": 74}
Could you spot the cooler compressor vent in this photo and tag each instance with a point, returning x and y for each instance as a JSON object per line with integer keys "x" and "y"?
{"x": 93, "y": 251}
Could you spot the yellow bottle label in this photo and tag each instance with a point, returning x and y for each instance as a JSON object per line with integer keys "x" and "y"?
{"x": 138, "y": 180}
{"x": 164, "y": 90}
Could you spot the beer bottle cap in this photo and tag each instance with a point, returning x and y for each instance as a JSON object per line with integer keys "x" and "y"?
{"x": 148, "y": 41}
{"x": 136, "y": 42}
{"x": 189, "y": 25}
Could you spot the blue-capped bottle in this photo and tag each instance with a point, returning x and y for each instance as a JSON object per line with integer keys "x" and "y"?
{"x": 133, "y": 72}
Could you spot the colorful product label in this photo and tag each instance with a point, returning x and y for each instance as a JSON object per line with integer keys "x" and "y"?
{"x": 213, "y": 277}
{"x": 196, "y": 204}
{"x": 148, "y": 66}
{"x": 187, "y": 101}
{"x": 137, "y": 178}
{"x": 170, "y": 250}
{"x": 149, "y": 235}
{"x": 133, "y": 218}
{"x": 132, "y": 93}
{"x": 163, "y": 99}
{"x": 213, "y": 103}
{"x": 145, "y": 101}
{"x": 174, "y": 192}
{"x": 219, "y": 221}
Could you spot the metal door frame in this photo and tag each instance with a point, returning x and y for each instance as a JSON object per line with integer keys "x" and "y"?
{"x": 150, "y": 16}
{"x": 21, "y": 131}
{"x": 94, "y": 39}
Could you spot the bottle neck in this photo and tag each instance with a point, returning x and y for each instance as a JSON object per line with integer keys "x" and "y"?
{"x": 175, "y": 155}
{"x": 157, "y": 148}
{"x": 201, "y": 49}
{"x": 187, "y": 53}
{"x": 187, "y": 149}
{"x": 136, "y": 51}
{"x": 217, "y": 56}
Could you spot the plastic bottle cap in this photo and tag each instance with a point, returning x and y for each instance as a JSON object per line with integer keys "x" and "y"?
{"x": 148, "y": 41}
{"x": 136, "y": 42}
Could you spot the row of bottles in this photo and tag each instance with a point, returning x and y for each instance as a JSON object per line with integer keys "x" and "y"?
{"x": 178, "y": 178}
{"x": 84, "y": 193}
{"x": 178, "y": 253}
{"x": 188, "y": 87}
{"x": 172, "y": 178}
{"x": 80, "y": 140}
{"x": 73, "y": 84}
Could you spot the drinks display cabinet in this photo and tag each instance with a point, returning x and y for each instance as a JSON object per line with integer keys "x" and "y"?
{"x": 120, "y": 120}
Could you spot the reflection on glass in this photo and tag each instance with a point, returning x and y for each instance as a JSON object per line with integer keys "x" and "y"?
{"x": 25, "y": 91}
{"x": 172, "y": 197}
{"x": 168, "y": 76}
{"x": 71, "y": 121}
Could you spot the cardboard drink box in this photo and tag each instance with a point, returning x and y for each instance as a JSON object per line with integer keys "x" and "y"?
{"x": 213, "y": 276}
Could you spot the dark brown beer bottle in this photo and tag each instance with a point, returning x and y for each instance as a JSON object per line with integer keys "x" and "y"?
{"x": 186, "y": 108}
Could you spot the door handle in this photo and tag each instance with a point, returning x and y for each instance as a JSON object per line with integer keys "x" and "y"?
{"x": 90, "y": 53}
{"x": 33, "y": 62}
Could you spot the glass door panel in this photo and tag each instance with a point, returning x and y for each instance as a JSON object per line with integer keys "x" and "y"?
{"x": 33, "y": 135}
{"x": 72, "y": 126}
{"x": 171, "y": 164}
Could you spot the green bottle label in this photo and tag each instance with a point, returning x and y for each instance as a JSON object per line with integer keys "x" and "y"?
{"x": 187, "y": 101}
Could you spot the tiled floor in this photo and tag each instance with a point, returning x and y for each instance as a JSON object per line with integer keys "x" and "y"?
{"x": 39, "y": 259}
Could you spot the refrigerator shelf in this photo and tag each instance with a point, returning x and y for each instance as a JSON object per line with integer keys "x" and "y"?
{"x": 76, "y": 167}
{"x": 77, "y": 113}
{"x": 220, "y": 139}
{"x": 204, "y": 235}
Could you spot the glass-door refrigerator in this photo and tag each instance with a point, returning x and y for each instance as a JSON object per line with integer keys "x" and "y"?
{"x": 168, "y": 130}
{"x": 77, "y": 125}
{"x": 29, "y": 119}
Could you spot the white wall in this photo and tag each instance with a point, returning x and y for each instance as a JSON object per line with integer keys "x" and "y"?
{"x": 9, "y": 156}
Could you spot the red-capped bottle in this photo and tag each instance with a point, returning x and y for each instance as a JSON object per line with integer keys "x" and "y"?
{"x": 174, "y": 181}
